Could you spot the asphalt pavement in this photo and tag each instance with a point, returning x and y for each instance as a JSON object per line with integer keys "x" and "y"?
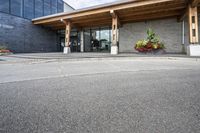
{"x": 142, "y": 95}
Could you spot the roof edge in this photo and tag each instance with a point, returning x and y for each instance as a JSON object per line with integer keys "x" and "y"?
{"x": 88, "y": 9}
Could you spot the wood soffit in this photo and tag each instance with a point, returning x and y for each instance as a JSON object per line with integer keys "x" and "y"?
{"x": 127, "y": 12}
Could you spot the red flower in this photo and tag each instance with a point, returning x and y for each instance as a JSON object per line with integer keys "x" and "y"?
{"x": 5, "y": 51}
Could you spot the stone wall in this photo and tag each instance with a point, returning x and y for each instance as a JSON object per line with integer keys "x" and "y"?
{"x": 21, "y": 36}
{"x": 169, "y": 30}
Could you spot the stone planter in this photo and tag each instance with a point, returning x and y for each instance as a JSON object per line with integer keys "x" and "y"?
{"x": 5, "y": 52}
{"x": 154, "y": 52}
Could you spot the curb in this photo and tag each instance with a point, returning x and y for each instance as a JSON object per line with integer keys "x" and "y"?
{"x": 49, "y": 59}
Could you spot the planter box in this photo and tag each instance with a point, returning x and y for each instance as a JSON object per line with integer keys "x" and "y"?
{"x": 153, "y": 52}
{"x": 5, "y": 51}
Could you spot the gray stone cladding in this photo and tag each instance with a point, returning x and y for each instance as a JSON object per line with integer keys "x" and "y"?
{"x": 169, "y": 31}
{"x": 21, "y": 36}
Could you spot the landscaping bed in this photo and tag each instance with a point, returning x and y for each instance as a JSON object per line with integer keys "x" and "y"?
{"x": 151, "y": 45}
{"x": 4, "y": 50}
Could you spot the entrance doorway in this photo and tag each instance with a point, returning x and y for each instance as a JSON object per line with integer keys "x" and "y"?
{"x": 97, "y": 39}
{"x": 74, "y": 41}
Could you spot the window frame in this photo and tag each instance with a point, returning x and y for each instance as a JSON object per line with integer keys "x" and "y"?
{"x": 53, "y": 9}
{"x": 13, "y": 12}
{"x": 8, "y": 10}
{"x": 42, "y": 7}
{"x": 33, "y": 10}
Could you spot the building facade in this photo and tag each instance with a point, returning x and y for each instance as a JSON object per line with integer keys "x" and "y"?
{"x": 113, "y": 27}
{"x": 18, "y": 33}
{"x": 126, "y": 22}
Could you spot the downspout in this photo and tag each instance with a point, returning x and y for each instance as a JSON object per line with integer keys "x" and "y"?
{"x": 183, "y": 37}
{"x": 183, "y": 33}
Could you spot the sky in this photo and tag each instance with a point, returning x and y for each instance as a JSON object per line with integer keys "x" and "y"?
{"x": 78, "y": 4}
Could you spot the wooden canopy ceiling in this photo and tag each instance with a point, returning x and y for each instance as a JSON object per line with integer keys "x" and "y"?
{"x": 128, "y": 11}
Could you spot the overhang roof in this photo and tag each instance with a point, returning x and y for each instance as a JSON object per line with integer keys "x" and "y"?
{"x": 128, "y": 11}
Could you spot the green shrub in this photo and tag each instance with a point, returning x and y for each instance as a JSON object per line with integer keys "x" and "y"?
{"x": 141, "y": 43}
{"x": 151, "y": 36}
{"x": 151, "y": 43}
{"x": 162, "y": 45}
{"x": 2, "y": 47}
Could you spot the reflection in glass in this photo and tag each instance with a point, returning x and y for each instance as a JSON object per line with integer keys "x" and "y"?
{"x": 53, "y": 6}
{"x": 29, "y": 9}
{"x": 60, "y": 6}
{"x": 97, "y": 40}
{"x": 4, "y": 6}
{"x": 47, "y": 7}
{"x": 105, "y": 41}
{"x": 17, "y": 7}
{"x": 87, "y": 41}
{"x": 38, "y": 8}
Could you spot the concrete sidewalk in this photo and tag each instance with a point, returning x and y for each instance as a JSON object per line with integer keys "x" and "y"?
{"x": 28, "y": 69}
{"x": 88, "y": 56}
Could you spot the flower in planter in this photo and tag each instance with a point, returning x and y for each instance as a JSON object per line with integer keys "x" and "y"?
{"x": 149, "y": 46}
{"x": 155, "y": 46}
{"x": 151, "y": 43}
{"x": 141, "y": 44}
{"x": 3, "y": 49}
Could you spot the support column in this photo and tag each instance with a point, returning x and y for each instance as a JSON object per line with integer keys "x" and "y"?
{"x": 193, "y": 25}
{"x": 194, "y": 48}
{"x": 82, "y": 41}
{"x": 67, "y": 38}
{"x": 115, "y": 38}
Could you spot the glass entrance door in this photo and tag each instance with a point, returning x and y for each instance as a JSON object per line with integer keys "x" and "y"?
{"x": 75, "y": 42}
{"x": 61, "y": 44}
{"x": 105, "y": 41}
{"x": 97, "y": 40}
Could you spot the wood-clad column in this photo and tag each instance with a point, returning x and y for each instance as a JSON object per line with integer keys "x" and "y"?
{"x": 115, "y": 38}
{"x": 67, "y": 34}
{"x": 194, "y": 48}
{"x": 67, "y": 37}
{"x": 193, "y": 25}
{"x": 114, "y": 31}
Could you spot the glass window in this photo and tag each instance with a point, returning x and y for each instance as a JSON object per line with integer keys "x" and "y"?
{"x": 105, "y": 41}
{"x": 53, "y": 6}
{"x": 17, "y": 7}
{"x": 95, "y": 40}
{"x": 96, "y": 34}
{"x": 29, "y": 9}
{"x": 60, "y": 6}
{"x": 38, "y": 8}
{"x": 87, "y": 40}
{"x": 4, "y": 6}
{"x": 47, "y": 7}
